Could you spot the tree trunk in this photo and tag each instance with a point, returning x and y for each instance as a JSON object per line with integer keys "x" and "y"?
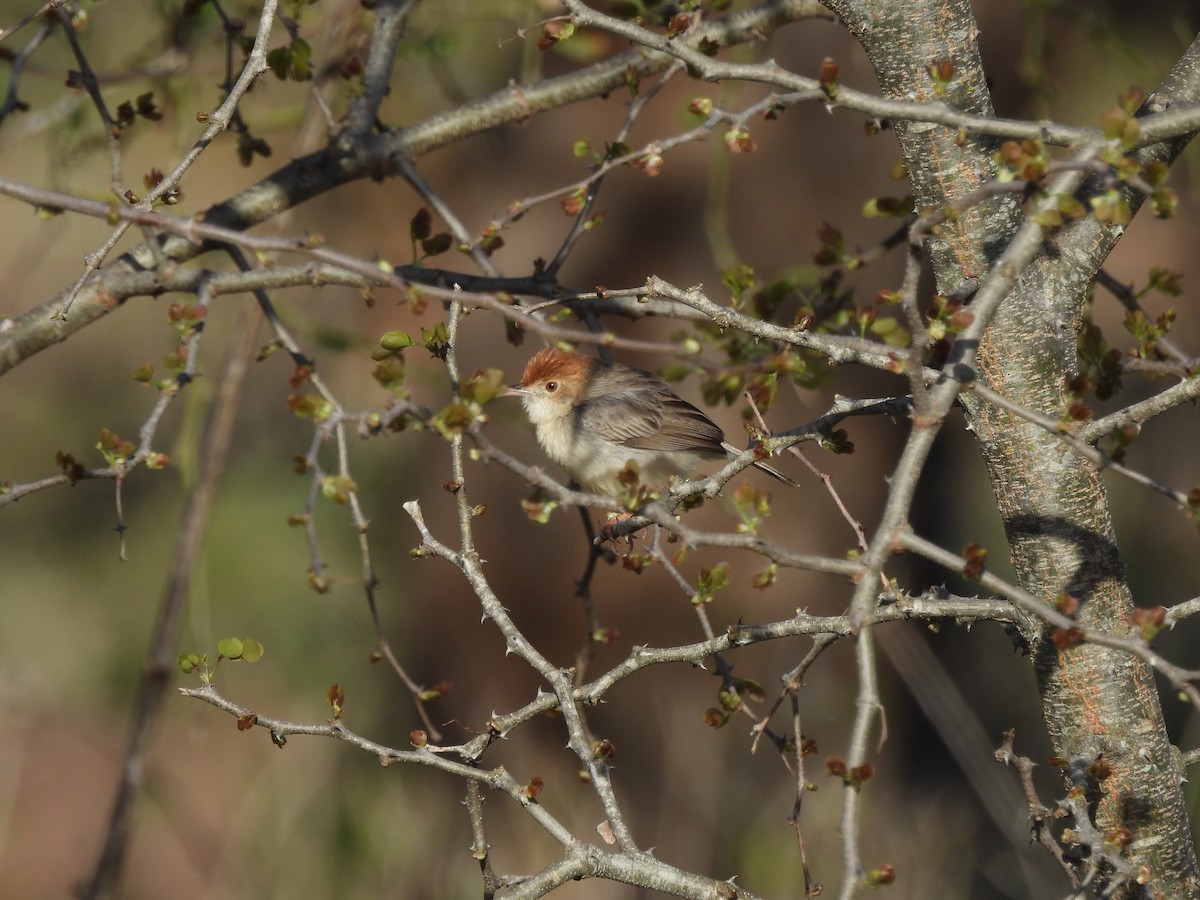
{"x": 1053, "y": 502}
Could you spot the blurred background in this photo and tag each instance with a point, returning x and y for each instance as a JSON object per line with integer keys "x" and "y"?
{"x": 228, "y": 814}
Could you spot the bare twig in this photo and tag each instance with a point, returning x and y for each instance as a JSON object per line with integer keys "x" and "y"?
{"x": 218, "y": 435}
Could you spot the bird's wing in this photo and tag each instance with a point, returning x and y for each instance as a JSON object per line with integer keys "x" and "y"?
{"x": 650, "y": 418}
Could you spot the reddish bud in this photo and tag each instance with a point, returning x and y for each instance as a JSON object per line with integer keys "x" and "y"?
{"x": 606, "y": 636}
{"x": 1119, "y": 837}
{"x": 1149, "y": 621}
{"x": 715, "y": 718}
{"x": 1066, "y": 638}
{"x": 1079, "y": 385}
{"x": 301, "y": 375}
{"x": 336, "y": 698}
{"x": 1079, "y": 412}
{"x": 1067, "y": 604}
{"x": 1101, "y": 768}
{"x": 880, "y": 875}
{"x": 961, "y": 320}
{"x": 679, "y": 24}
{"x": 554, "y": 32}
{"x": 975, "y": 556}
{"x": 829, "y": 76}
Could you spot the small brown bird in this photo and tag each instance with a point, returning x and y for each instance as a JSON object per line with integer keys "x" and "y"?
{"x": 593, "y": 418}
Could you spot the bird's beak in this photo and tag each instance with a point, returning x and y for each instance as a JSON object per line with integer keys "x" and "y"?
{"x": 515, "y": 390}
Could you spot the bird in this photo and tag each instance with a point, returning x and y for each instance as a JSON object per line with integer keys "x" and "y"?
{"x": 595, "y": 417}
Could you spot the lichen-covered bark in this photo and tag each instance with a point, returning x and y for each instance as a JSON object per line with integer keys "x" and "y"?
{"x": 1053, "y": 502}
{"x": 903, "y": 40}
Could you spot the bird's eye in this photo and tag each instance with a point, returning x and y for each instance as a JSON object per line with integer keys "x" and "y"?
{"x": 551, "y": 386}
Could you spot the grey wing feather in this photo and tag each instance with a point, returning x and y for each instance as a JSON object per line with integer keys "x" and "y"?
{"x": 641, "y": 418}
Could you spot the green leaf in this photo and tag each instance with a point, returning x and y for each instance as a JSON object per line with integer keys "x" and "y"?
{"x": 709, "y": 582}
{"x": 1049, "y": 218}
{"x": 252, "y": 650}
{"x": 395, "y": 341}
{"x": 738, "y": 279}
{"x": 435, "y": 339}
{"x": 765, "y": 578}
{"x": 453, "y": 419}
{"x": 310, "y": 406}
{"x": 338, "y": 488}
{"x": 389, "y": 373}
{"x": 301, "y": 56}
{"x": 114, "y": 450}
{"x": 484, "y": 386}
{"x": 1164, "y": 202}
{"x": 278, "y": 61}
